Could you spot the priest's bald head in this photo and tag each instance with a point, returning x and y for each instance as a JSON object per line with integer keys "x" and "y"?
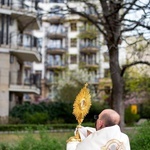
{"x": 107, "y": 118}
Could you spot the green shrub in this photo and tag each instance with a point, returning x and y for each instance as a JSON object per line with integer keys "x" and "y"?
{"x": 141, "y": 140}
{"x": 43, "y": 143}
{"x": 52, "y": 112}
{"x": 32, "y": 142}
{"x": 36, "y": 118}
{"x": 145, "y": 110}
{"x": 130, "y": 118}
{"x": 4, "y": 146}
{"x": 13, "y": 120}
{"x": 95, "y": 109}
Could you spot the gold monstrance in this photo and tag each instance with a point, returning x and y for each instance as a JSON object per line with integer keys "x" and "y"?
{"x": 81, "y": 107}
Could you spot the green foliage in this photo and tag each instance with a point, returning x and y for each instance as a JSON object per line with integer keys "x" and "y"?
{"x": 35, "y": 127}
{"x": 60, "y": 111}
{"x": 70, "y": 85}
{"x": 4, "y": 146}
{"x": 141, "y": 140}
{"x": 52, "y": 112}
{"x": 145, "y": 110}
{"x": 43, "y": 113}
{"x": 136, "y": 84}
{"x": 31, "y": 142}
{"x": 130, "y": 118}
{"x": 68, "y": 93}
{"x": 88, "y": 34}
{"x": 95, "y": 109}
{"x": 36, "y": 118}
{"x": 44, "y": 143}
{"x": 28, "y": 110}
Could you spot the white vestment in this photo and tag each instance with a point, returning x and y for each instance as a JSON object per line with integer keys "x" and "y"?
{"x": 108, "y": 138}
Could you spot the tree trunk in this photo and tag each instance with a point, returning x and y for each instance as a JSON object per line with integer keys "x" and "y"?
{"x": 112, "y": 27}
{"x": 117, "y": 83}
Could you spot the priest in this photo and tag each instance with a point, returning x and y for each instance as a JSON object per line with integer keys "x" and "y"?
{"x": 106, "y": 135}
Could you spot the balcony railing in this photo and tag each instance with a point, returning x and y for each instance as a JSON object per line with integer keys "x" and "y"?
{"x": 88, "y": 33}
{"x": 18, "y": 82}
{"x": 22, "y": 5}
{"x": 57, "y": 34}
{"x": 86, "y": 48}
{"x": 25, "y": 40}
{"x": 18, "y": 78}
{"x": 55, "y": 66}
{"x": 89, "y": 64}
{"x": 23, "y": 44}
{"x": 56, "y": 50}
{"x": 54, "y": 18}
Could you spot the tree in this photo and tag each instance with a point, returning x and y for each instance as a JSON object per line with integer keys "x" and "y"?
{"x": 70, "y": 85}
{"x": 116, "y": 19}
{"x": 137, "y": 87}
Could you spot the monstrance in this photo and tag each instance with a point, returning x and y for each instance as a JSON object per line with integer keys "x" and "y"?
{"x": 81, "y": 107}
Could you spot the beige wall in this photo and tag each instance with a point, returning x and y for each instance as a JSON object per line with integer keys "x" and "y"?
{"x": 4, "y": 86}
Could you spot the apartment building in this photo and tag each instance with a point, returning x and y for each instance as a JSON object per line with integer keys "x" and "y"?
{"x": 70, "y": 43}
{"x": 18, "y": 50}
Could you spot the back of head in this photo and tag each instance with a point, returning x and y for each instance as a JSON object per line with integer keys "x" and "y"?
{"x": 109, "y": 117}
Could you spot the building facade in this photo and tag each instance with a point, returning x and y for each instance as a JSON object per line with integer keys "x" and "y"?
{"x": 70, "y": 42}
{"x": 18, "y": 50}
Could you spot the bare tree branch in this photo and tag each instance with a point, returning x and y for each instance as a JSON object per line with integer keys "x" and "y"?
{"x": 88, "y": 17}
{"x": 127, "y": 10}
{"x": 133, "y": 64}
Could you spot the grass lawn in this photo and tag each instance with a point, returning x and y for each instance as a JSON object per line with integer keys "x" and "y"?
{"x": 13, "y": 138}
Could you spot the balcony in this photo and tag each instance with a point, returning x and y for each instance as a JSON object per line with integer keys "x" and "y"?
{"x": 24, "y": 11}
{"x": 20, "y": 84}
{"x": 54, "y": 19}
{"x": 89, "y": 48}
{"x": 55, "y": 66}
{"x": 89, "y": 65}
{"x": 24, "y": 47}
{"x": 90, "y": 34}
{"x": 56, "y": 50}
{"x": 57, "y": 35}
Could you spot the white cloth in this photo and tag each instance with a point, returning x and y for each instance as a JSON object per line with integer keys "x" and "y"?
{"x": 108, "y": 138}
{"x": 83, "y": 131}
{"x": 72, "y": 145}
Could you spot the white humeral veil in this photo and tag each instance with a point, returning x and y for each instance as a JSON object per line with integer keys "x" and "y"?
{"x": 83, "y": 132}
{"x": 109, "y": 138}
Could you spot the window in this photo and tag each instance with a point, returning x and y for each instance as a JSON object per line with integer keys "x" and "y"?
{"x": 73, "y": 59}
{"x": 73, "y": 42}
{"x": 73, "y": 26}
{"x": 106, "y": 73}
